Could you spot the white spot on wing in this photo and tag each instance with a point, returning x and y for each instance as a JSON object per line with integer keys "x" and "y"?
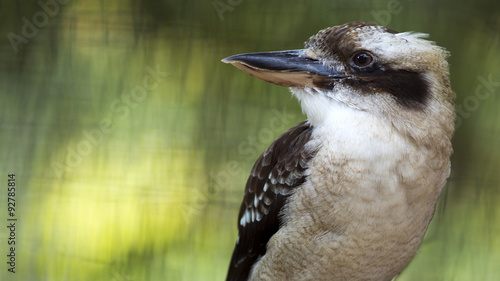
{"x": 273, "y": 180}
{"x": 248, "y": 216}
{"x": 266, "y": 187}
{"x": 259, "y": 216}
{"x": 261, "y": 196}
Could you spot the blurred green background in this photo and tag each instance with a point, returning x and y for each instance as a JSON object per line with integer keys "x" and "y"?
{"x": 131, "y": 142}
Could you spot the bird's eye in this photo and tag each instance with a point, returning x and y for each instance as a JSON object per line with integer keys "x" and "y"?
{"x": 362, "y": 59}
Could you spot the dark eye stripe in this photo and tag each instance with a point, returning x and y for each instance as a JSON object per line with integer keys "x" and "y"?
{"x": 410, "y": 89}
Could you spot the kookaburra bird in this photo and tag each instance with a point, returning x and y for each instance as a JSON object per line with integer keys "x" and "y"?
{"x": 349, "y": 193}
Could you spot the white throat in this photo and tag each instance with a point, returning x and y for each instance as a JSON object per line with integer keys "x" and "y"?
{"x": 322, "y": 110}
{"x": 347, "y": 130}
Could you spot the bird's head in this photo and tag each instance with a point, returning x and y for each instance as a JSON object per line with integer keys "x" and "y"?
{"x": 400, "y": 78}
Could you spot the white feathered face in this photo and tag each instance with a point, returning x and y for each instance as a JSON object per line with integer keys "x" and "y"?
{"x": 397, "y": 76}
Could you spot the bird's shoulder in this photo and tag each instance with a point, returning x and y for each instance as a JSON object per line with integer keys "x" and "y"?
{"x": 275, "y": 175}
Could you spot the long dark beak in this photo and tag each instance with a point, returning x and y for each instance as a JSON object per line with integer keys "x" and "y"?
{"x": 286, "y": 68}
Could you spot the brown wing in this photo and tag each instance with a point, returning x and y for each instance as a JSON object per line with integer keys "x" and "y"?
{"x": 275, "y": 175}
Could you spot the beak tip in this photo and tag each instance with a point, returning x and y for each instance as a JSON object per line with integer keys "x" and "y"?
{"x": 227, "y": 60}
